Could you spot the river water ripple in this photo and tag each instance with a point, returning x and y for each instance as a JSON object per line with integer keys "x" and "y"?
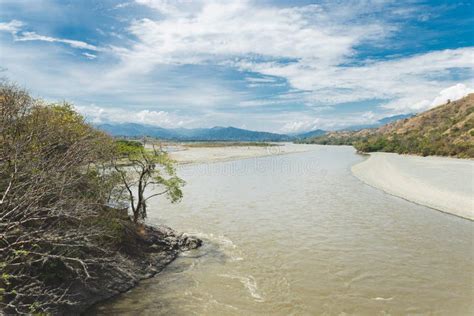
{"x": 298, "y": 234}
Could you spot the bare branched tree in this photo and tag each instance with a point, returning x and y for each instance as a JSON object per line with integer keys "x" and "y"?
{"x": 61, "y": 185}
{"x": 52, "y": 196}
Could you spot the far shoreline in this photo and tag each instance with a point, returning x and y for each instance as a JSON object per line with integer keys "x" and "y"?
{"x": 205, "y": 155}
{"x": 389, "y": 172}
{"x": 442, "y": 183}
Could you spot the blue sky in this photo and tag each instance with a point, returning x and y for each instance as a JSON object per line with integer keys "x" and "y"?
{"x": 282, "y": 66}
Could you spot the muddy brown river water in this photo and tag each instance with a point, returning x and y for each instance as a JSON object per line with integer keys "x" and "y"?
{"x": 298, "y": 234}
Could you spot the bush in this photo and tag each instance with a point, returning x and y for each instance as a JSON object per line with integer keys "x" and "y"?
{"x": 56, "y": 230}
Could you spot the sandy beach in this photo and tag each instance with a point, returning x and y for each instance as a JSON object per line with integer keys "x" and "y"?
{"x": 186, "y": 155}
{"x": 445, "y": 184}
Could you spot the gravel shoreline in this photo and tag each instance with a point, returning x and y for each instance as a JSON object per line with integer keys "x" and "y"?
{"x": 189, "y": 155}
{"x": 441, "y": 183}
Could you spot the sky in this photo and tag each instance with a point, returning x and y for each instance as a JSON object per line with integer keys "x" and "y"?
{"x": 269, "y": 65}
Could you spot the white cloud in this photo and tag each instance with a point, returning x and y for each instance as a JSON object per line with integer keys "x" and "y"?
{"x": 261, "y": 102}
{"x": 260, "y": 80}
{"x": 397, "y": 79}
{"x": 411, "y": 104}
{"x": 299, "y": 126}
{"x": 196, "y": 32}
{"x": 32, "y": 36}
{"x": 309, "y": 123}
{"x": 13, "y": 26}
{"x": 89, "y": 56}
{"x": 314, "y": 42}
{"x": 311, "y": 48}
{"x": 123, "y": 5}
{"x": 403, "y": 105}
{"x": 452, "y": 93}
{"x": 98, "y": 114}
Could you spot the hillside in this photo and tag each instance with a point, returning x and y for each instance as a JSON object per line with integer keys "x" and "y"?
{"x": 197, "y": 134}
{"x": 446, "y": 130}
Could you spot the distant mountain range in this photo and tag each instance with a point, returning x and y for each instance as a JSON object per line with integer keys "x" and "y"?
{"x": 196, "y": 134}
{"x": 219, "y": 133}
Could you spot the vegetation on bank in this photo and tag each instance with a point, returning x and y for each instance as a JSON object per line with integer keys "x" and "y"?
{"x": 64, "y": 203}
{"x": 145, "y": 168}
{"x": 447, "y": 130}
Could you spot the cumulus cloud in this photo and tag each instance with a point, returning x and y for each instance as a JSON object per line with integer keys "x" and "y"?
{"x": 404, "y": 105}
{"x": 299, "y": 126}
{"x": 273, "y": 56}
{"x": 98, "y": 114}
{"x": 393, "y": 79}
{"x": 309, "y": 123}
{"x": 452, "y": 93}
{"x": 307, "y": 46}
{"x": 224, "y": 33}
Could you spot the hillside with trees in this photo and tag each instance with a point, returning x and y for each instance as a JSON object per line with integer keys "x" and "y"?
{"x": 446, "y": 130}
{"x": 67, "y": 239}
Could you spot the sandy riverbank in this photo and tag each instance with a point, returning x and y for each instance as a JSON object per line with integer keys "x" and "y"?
{"x": 445, "y": 184}
{"x": 183, "y": 154}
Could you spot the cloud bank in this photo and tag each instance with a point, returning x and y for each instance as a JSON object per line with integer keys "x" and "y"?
{"x": 273, "y": 66}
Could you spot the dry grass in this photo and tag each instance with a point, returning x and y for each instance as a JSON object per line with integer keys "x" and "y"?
{"x": 446, "y": 130}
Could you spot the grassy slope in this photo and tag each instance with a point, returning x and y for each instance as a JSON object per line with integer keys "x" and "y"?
{"x": 446, "y": 130}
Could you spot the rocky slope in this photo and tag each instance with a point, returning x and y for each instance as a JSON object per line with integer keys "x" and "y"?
{"x": 446, "y": 130}
{"x": 142, "y": 255}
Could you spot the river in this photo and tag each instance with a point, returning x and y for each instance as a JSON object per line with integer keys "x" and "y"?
{"x": 298, "y": 234}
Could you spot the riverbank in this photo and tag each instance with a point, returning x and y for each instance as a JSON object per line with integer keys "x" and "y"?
{"x": 142, "y": 254}
{"x": 187, "y": 154}
{"x": 445, "y": 184}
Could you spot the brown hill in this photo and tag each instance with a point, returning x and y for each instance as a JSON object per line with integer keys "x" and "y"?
{"x": 446, "y": 130}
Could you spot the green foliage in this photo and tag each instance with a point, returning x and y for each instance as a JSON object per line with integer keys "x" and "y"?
{"x": 5, "y": 278}
{"x": 58, "y": 182}
{"x": 112, "y": 225}
{"x": 165, "y": 176}
{"x": 128, "y": 147}
{"x": 148, "y": 168}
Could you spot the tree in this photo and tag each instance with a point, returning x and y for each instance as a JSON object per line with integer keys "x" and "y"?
{"x": 141, "y": 169}
{"x": 52, "y": 195}
{"x": 59, "y": 228}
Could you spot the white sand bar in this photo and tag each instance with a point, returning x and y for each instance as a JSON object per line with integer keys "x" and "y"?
{"x": 445, "y": 184}
{"x": 213, "y": 154}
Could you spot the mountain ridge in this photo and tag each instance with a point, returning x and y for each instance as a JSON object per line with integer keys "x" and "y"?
{"x": 445, "y": 130}
{"x": 216, "y": 133}
{"x": 219, "y": 133}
